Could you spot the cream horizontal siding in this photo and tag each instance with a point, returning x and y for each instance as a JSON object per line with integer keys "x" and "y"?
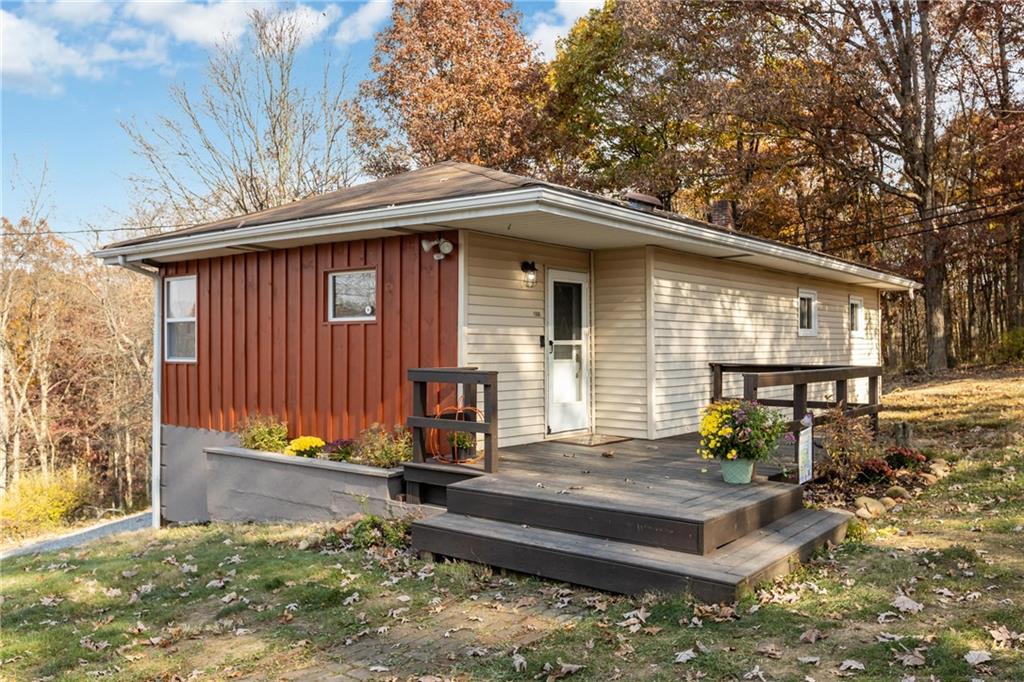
{"x": 707, "y": 310}
{"x": 503, "y": 323}
{"x": 620, "y": 343}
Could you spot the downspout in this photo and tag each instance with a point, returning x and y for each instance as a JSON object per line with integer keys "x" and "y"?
{"x": 155, "y": 445}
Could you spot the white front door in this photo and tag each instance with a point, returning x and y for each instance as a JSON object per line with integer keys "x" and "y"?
{"x": 568, "y": 364}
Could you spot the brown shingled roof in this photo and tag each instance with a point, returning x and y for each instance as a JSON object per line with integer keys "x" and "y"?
{"x": 441, "y": 181}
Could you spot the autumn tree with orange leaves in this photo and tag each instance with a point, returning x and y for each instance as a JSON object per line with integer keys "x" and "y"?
{"x": 453, "y": 80}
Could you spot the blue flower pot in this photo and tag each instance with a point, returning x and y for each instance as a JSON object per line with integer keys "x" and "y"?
{"x": 738, "y": 471}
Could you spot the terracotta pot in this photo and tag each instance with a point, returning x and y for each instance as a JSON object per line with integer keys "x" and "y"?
{"x": 738, "y": 471}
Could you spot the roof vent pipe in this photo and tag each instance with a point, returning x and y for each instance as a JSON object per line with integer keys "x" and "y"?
{"x": 720, "y": 213}
{"x": 643, "y": 202}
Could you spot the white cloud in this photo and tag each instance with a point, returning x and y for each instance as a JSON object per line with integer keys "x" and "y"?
{"x": 312, "y": 22}
{"x": 363, "y": 23}
{"x": 75, "y": 12}
{"x": 34, "y": 57}
{"x": 555, "y": 24}
{"x": 203, "y": 24}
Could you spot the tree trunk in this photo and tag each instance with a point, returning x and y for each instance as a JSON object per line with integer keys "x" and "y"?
{"x": 934, "y": 294}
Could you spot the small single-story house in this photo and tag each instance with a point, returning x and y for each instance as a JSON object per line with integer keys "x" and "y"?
{"x": 600, "y": 316}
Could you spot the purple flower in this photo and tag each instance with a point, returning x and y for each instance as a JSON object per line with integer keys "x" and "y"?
{"x": 789, "y": 437}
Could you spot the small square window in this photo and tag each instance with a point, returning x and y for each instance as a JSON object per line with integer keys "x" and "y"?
{"x": 352, "y": 296}
{"x": 808, "y": 312}
{"x": 856, "y": 316}
{"x": 180, "y": 319}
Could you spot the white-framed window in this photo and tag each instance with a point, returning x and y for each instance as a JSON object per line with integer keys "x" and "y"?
{"x": 352, "y": 296}
{"x": 807, "y": 311}
{"x": 180, "y": 319}
{"x": 856, "y": 316}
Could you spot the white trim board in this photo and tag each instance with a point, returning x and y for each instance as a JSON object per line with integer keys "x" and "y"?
{"x": 493, "y": 208}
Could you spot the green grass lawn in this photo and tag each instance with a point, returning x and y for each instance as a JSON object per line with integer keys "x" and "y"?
{"x": 228, "y": 602}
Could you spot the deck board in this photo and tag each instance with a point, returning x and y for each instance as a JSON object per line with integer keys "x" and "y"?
{"x": 625, "y": 567}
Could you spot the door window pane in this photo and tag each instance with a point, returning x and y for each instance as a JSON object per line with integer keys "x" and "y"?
{"x": 567, "y": 373}
{"x": 567, "y": 311}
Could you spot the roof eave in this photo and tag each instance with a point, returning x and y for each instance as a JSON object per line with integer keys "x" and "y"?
{"x": 506, "y": 202}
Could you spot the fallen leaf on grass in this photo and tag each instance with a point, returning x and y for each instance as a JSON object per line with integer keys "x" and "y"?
{"x": 770, "y": 650}
{"x": 518, "y": 663}
{"x": 905, "y": 604}
{"x": 685, "y": 656}
{"x": 809, "y": 660}
{"x": 811, "y": 636}
{"x": 563, "y": 670}
{"x": 754, "y": 674}
{"x": 911, "y": 658}
{"x": 1004, "y": 638}
{"x": 976, "y": 657}
{"x": 851, "y": 664}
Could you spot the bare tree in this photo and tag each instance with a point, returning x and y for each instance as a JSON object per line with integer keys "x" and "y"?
{"x": 253, "y": 137}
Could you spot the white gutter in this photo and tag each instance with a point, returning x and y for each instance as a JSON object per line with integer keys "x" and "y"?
{"x": 155, "y": 442}
{"x": 495, "y": 204}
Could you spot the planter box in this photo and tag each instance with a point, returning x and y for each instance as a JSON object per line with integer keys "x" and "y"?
{"x": 250, "y": 485}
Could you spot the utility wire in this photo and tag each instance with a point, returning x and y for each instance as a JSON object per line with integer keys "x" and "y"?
{"x": 868, "y": 226}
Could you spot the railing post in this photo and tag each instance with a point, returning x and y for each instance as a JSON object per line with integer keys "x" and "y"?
{"x": 716, "y": 382}
{"x": 874, "y": 390}
{"x": 799, "y": 402}
{"x": 491, "y": 415}
{"x": 750, "y": 387}
{"x": 842, "y": 394}
{"x": 419, "y": 409}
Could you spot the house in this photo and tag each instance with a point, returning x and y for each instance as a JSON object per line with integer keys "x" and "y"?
{"x": 600, "y": 316}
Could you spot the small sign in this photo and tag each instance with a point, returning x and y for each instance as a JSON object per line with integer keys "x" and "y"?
{"x": 805, "y": 451}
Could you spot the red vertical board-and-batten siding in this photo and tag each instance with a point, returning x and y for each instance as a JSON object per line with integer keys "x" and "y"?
{"x": 265, "y": 346}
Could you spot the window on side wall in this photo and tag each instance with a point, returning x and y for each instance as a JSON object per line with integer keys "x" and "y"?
{"x": 856, "y": 316}
{"x": 180, "y": 319}
{"x": 807, "y": 304}
{"x": 352, "y": 296}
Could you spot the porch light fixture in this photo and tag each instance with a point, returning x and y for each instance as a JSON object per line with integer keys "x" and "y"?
{"x": 529, "y": 269}
{"x": 444, "y": 247}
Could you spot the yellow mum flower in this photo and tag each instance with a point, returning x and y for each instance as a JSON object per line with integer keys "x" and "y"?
{"x": 725, "y": 431}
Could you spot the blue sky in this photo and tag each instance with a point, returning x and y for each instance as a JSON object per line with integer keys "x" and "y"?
{"x": 71, "y": 71}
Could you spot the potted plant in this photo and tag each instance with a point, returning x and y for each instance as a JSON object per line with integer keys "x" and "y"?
{"x": 463, "y": 445}
{"x": 739, "y": 434}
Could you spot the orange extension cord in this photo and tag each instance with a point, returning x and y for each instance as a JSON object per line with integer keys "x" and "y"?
{"x": 434, "y": 435}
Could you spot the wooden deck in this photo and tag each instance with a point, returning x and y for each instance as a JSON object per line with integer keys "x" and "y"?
{"x": 627, "y": 517}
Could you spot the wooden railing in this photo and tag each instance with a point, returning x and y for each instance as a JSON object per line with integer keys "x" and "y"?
{"x": 757, "y": 377}
{"x": 469, "y": 378}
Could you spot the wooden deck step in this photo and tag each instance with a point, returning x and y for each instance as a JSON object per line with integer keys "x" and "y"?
{"x": 628, "y": 568}
{"x": 686, "y": 515}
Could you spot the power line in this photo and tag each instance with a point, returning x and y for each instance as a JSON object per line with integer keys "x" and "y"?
{"x": 1011, "y": 211}
{"x": 979, "y": 204}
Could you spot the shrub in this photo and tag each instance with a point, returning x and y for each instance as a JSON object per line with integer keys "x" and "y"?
{"x": 848, "y": 443}
{"x": 36, "y": 503}
{"x": 875, "y": 470}
{"x": 373, "y": 531}
{"x": 382, "y": 448}
{"x": 462, "y": 440}
{"x": 341, "y": 450}
{"x": 902, "y": 457}
{"x": 1011, "y": 346}
{"x": 263, "y": 433}
{"x": 305, "y": 446}
{"x": 736, "y": 429}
